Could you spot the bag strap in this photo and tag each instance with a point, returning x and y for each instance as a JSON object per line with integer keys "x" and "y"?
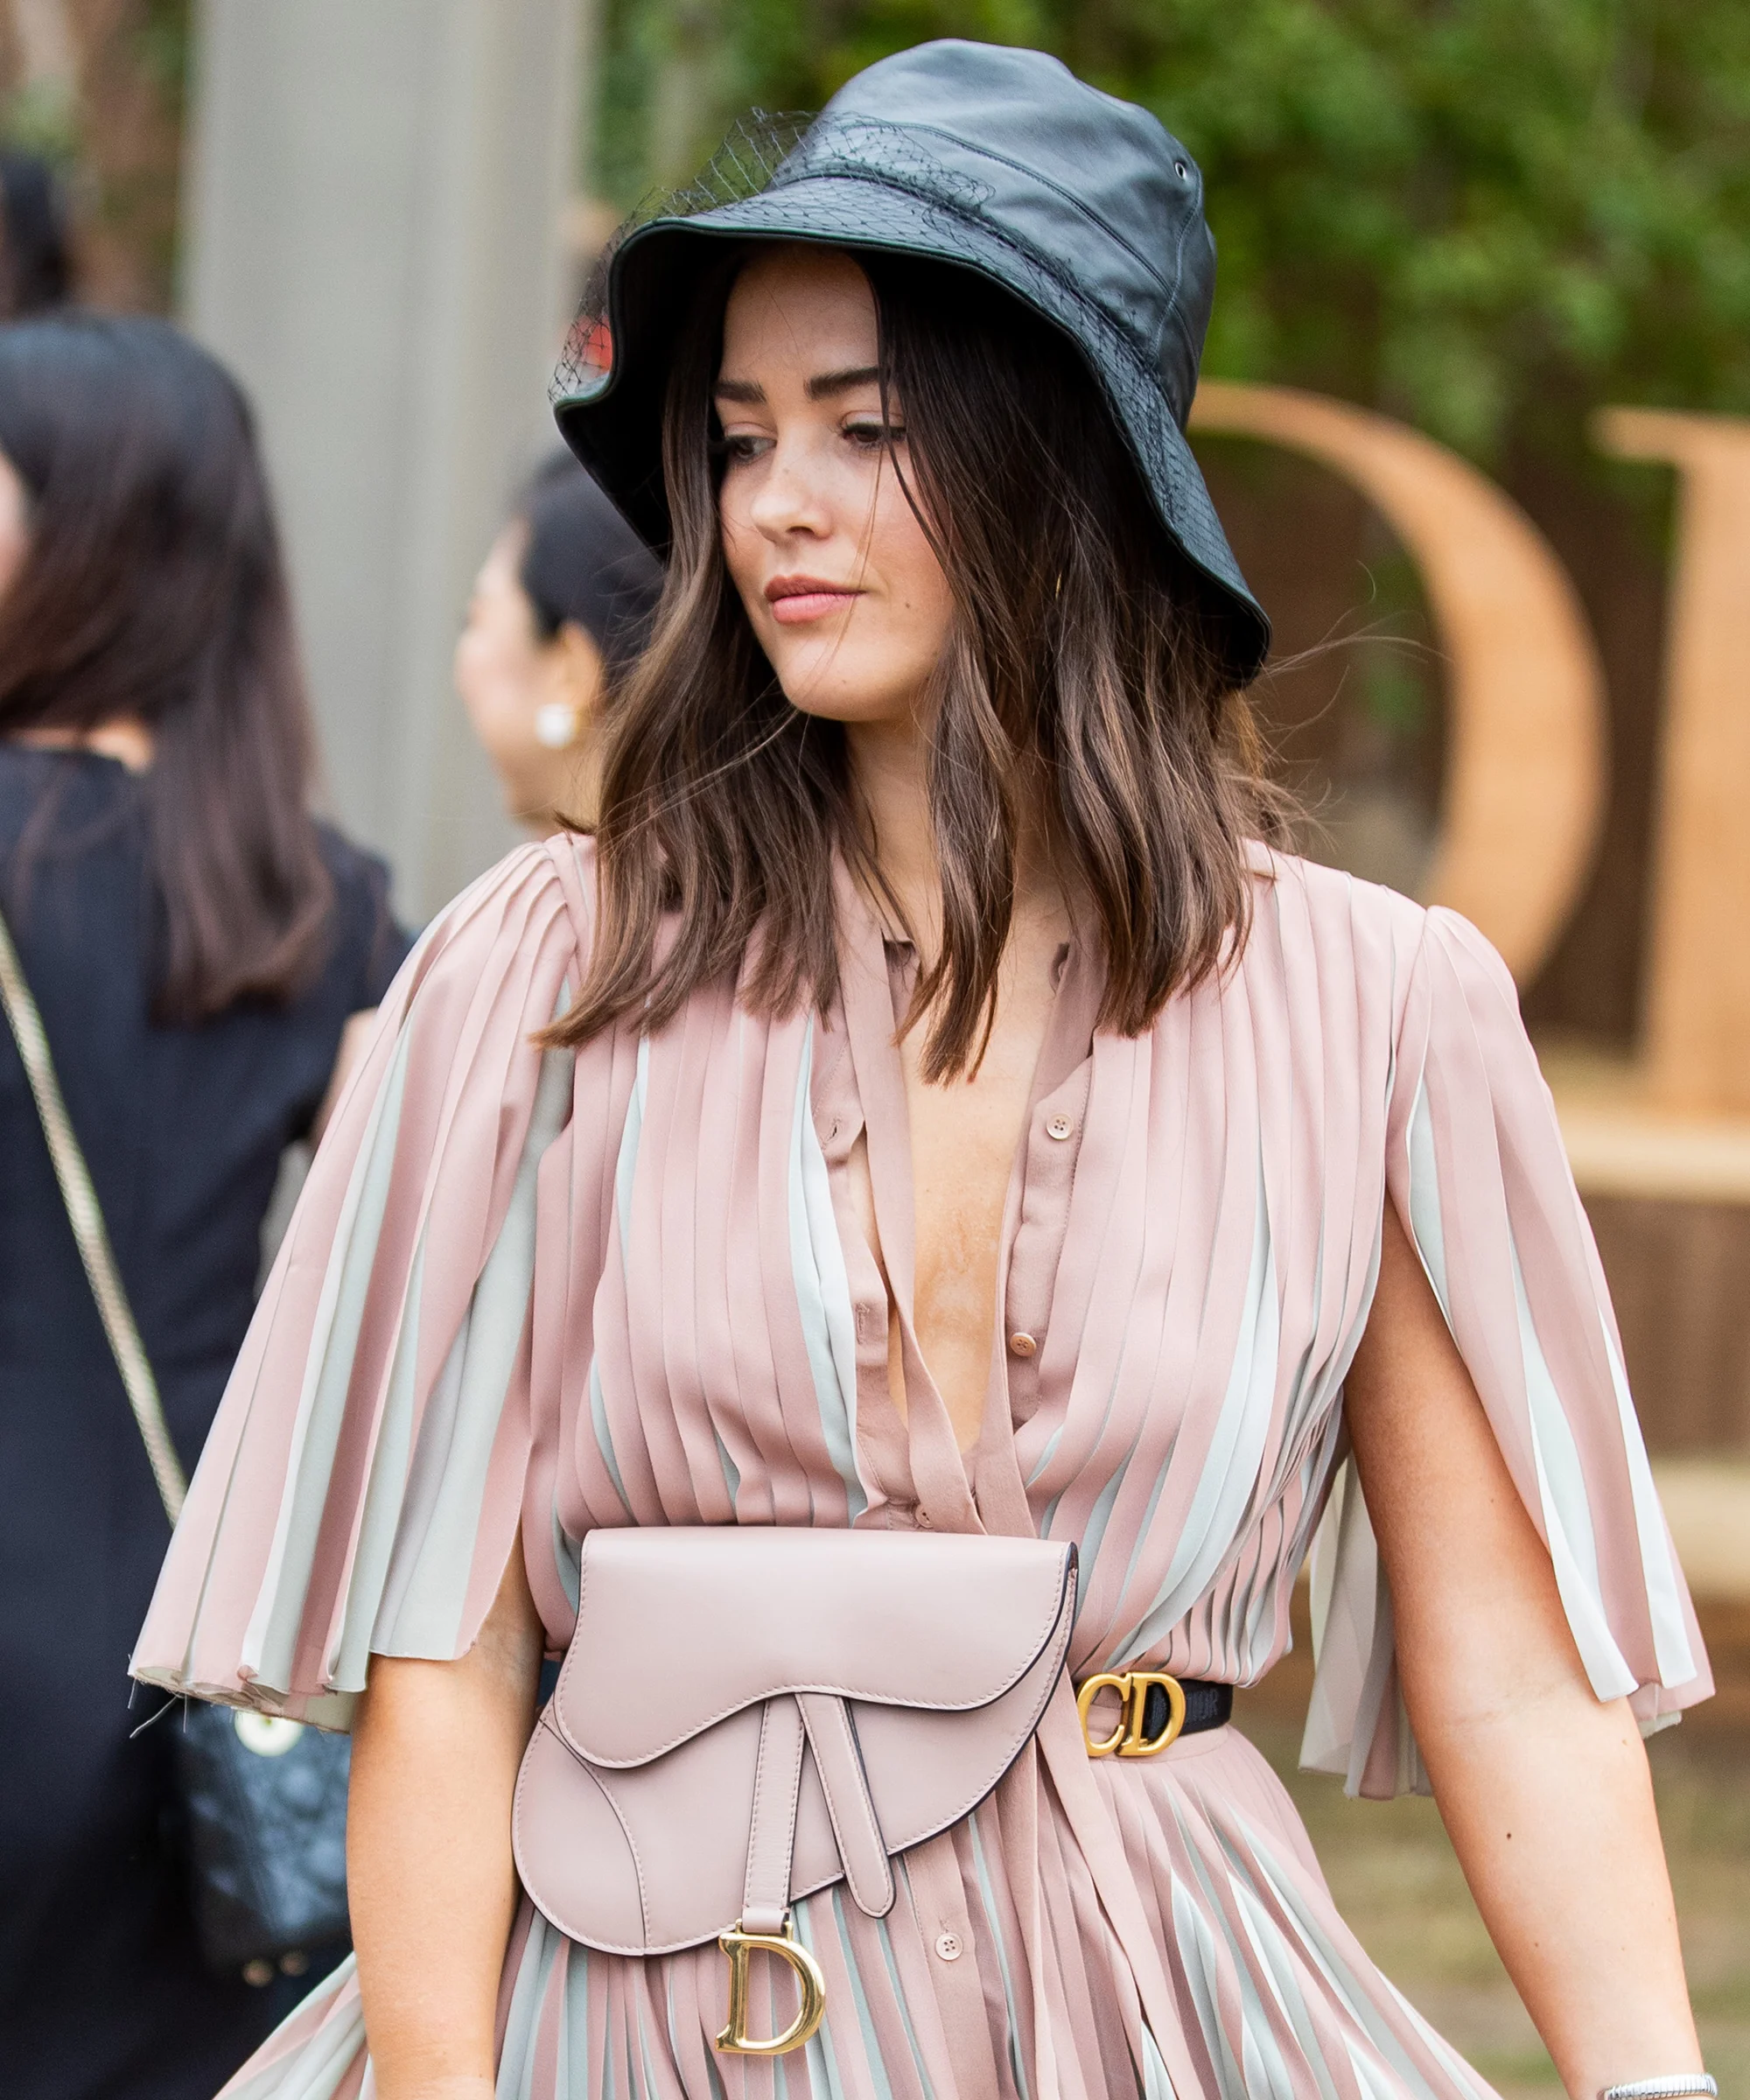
{"x": 86, "y": 1217}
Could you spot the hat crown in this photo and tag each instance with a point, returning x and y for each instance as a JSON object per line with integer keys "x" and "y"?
{"x": 1094, "y": 188}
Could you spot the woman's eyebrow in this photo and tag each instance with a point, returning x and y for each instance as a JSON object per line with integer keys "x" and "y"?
{"x": 821, "y": 387}
{"x": 824, "y": 384}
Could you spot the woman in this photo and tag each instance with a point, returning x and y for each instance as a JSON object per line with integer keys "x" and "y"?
{"x": 923, "y": 1106}
{"x": 196, "y": 946}
{"x": 562, "y": 604}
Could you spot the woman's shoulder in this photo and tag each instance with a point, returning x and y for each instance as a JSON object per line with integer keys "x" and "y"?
{"x": 546, "y": 881}
{"x": 1308, "y": 897}
{"x": 83, "y": 792}
{"x": 537, "y": 894}
{"x": 519, "y": 932}
{"x": 1311, "y": 925}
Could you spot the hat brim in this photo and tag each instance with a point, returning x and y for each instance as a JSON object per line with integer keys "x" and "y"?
{"x": 615, "y": 428}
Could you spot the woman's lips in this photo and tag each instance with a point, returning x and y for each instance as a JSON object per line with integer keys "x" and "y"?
{"x": 796, "y": 599}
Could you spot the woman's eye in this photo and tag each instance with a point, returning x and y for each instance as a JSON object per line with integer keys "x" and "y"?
{"x": 870, "y": 434}
{"x": 743, "y": 445}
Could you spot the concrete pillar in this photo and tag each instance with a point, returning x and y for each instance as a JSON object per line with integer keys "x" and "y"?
{"x": 374, "y": 244}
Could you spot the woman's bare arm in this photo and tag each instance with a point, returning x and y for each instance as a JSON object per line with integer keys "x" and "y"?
{"x": 1544, "y": 1789}
{"x": 435, "y": 1748}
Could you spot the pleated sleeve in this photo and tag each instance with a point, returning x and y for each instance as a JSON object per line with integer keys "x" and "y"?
{"x": 362, "y": 1486}
{"x": 1477, "y": 1173}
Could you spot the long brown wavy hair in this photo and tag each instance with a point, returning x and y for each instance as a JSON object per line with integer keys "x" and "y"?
{"x": 1081, "y": 699}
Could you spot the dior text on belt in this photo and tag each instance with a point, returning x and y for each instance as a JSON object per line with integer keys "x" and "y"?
{"x": 1154, "y": 1710}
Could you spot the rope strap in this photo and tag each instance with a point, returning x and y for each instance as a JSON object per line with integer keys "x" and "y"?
{"x": 85, "y": 1216}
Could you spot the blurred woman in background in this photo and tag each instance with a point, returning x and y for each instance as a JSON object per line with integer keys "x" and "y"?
{"x": 561, "y": 607}
{"x": 197, "y": 945}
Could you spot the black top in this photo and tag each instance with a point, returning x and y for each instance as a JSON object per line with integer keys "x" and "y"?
{"x": 183, "y": 1128}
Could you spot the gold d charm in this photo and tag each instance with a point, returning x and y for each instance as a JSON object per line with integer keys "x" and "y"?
{"x": 1132, "y": 1686}
{"x": 735, "y": 2040}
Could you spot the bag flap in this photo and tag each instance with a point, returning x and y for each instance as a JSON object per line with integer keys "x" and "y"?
{"x": 680, "y": 1627}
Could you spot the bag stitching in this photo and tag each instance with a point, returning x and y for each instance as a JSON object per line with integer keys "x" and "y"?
{"x": 631, "y": 1846}
{"x": 518, "y": 1826}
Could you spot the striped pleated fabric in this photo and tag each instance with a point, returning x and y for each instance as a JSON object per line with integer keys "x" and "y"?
{"x": 526, "y": 1294}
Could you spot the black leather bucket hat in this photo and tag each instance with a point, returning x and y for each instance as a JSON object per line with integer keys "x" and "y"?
{"x": 996, "y": 159}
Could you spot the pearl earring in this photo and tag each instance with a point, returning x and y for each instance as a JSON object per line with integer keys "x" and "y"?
{"x": 556, "y": 725}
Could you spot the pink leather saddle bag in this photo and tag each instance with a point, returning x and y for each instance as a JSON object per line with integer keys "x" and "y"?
{"x": 748, "y": 1714}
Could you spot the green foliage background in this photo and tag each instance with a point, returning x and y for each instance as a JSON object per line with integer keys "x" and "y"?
{"x": 1484, "y": 215}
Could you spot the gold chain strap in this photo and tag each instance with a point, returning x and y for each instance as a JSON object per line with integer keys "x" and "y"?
{"x": 86, "y": 1217}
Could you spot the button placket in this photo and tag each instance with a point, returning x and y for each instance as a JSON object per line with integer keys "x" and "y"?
{"x": 880, "y": 1452}
{"x": 1049, "y": 1169}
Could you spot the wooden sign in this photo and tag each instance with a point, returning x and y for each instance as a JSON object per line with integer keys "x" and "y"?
{"x": 1525, "y": 785}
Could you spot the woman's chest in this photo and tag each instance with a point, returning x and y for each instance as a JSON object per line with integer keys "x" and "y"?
{"x": 1179, "y": 1266}
{"x": 928, "y": 1197}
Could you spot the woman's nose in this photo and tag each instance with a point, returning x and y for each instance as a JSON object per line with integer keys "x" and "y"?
{"x": 790, "y": 498}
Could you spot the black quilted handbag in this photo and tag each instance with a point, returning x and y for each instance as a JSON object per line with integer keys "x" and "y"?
{"x": 266, "y": 1807}
{"x": 265, "y": 1799}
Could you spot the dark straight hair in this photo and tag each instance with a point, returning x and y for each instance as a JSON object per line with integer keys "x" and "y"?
{"x": 1081, "y": 692}
{"x": 153, "y": 589}
{"x": 583, "y": 565}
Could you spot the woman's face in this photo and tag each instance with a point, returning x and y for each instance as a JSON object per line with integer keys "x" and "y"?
{"x": 533, "y": 702}
{"x": 842, "y": 590}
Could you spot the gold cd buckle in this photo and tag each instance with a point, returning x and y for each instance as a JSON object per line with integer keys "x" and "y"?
{"x": 1132, "y": 1686}
{"x": 740, "y": 1946}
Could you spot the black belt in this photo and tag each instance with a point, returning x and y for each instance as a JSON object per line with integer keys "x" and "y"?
{"x": 1154, "y": 1710}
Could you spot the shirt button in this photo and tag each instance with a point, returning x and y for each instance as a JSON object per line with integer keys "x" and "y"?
{"x": 1059, "y": 1127}
{"x": 924, "y": 1524}
{"x": 947, "y": 1946}
{"x": 1022, "y": 1344}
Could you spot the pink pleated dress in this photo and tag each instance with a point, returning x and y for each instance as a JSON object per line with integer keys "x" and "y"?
{"x": 526, "y": 1294}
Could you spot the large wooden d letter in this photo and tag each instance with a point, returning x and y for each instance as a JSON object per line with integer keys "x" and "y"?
{"x": 1699, "y": 981}
{"x": 1525, "y": 771}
